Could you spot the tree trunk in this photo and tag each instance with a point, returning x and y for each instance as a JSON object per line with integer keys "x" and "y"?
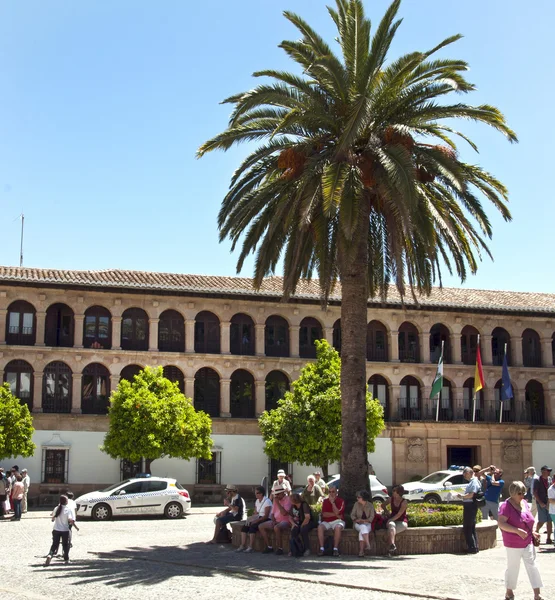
{"x": 354, "y": 319}
{"x": 148, "y": 462}
{"x": 324, "y": 468}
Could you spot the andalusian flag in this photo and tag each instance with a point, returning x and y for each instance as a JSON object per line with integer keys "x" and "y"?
{"x": 478, "y": 373}
{"x": 438, "y": 381}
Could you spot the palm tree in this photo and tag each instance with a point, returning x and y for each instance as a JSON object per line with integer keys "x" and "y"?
{"x": 357, "y": 178}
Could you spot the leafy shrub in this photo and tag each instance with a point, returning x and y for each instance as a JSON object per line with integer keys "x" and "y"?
{"x": 435, "y": 515}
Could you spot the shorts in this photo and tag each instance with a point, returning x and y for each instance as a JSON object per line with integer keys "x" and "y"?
{"x": 327, "y": 525}
{"x": 543, "y": 514}
{"x": 399, "y": 526}
{"x": 248, "y": 528}
{"x": 552, "y": 518}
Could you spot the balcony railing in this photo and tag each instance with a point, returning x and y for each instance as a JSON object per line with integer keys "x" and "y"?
{"x": 532, "y": 360}
{"x": 94, "y": 406}
{"x": 21, "y": 336}
{"x": 376, "y": 354}
{"x": 409, "y": 356}
{"x": 56, "y": 404}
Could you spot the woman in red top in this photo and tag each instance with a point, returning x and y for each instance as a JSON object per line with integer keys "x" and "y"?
{"x": 517, "y": 528}
{"x": 398, "y": 521}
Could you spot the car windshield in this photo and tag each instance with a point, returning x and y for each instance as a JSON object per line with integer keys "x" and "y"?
{"x": 435, "y": 477}
{"x": 115, "y": 485}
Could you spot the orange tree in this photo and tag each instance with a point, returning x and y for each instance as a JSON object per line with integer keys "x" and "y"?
{"x": 356, "y": 177}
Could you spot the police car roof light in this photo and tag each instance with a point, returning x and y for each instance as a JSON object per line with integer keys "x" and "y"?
{"x": 142, "y": 475}
{"x": 455, "y": 468}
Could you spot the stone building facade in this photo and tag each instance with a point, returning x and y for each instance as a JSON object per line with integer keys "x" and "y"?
{"x": 67, "y": 337}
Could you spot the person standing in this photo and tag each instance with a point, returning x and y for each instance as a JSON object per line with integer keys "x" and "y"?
{"x": 470, "y": 508}
{"x": 540, "y": 488}
{"x": 312, "y": 493}
{"x": 281, "y": 482}
{"x": 18, "y": 491}
{"x": 529, "y": 478}
{"x": 26, "y": 485}
{"x": 320, "y": 482}
{"x": 551, "y": 499}
{"x": 494, "y": 487}
{"x": 517, "y": 528}
{"x": 62, "y": 517}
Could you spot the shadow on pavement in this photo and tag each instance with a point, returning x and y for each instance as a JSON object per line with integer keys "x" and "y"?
{"x": 152, "y": 565}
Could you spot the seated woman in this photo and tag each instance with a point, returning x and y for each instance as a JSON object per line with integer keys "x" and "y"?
{"x": 362, "y": 516}
{"x": 302, "y": 521}
{"x": 312, "y": 493}
{"x": 234, "y": 511}
{"x": 398, "y": 520}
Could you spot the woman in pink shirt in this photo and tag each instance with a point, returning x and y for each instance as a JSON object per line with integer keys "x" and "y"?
{"x": 517, "y": 527}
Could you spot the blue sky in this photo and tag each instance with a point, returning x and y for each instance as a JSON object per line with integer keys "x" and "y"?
{"x": 103, "y": 105}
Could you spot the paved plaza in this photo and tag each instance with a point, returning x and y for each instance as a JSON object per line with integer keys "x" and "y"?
{"x": 154, "y": 557}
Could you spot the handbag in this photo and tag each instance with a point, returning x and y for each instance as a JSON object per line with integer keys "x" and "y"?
{"x": 479, "y": 499}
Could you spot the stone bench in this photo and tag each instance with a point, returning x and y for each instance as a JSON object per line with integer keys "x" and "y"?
{"x": 416, "y": 540}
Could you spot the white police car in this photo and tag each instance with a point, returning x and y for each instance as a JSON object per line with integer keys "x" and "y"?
{"x": 138, "y": 496}
{"x": 441, "y": 486}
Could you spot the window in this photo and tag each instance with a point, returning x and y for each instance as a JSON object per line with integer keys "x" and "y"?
{"x": 337, "y": 335}
{"x": 310, "y": 331}
{"x": 171, "y": 332}
{"x": 409, "y": 399}
{"x": 209, "y": 470}
{"x": 176, "y": 375}
{"x": 457, "y": 480}
{"x": 531, "y": 349}
{"x": 499, "y": 340}
{"x": 56, "y": 390}
{"x": 535, "y": 404}
{"x": 376, "y": 342}
{"x": 439, "y": 334}
{"x": 134, "y": 330}
{"x": 55, "y": 465}
{"x": 20, "y": 324}
{"x": 131, "y": 488}
{"x": 207, "y": 333}
{"x": 277, "y": 383}
{"x": 59, "y": 326}
{"x": 97, "y": 328}
{"x": 276, "y": 337}
{"x": 469, "y": 342}
{"x": 19, "y": 375}
{"x": 409, "y": 350}
{"x": 377, "y": 386}
{"x": 128, "y": 373}
{"x": 241, "y": 402}
{"x": 242, "y": 335}
{"x": 207, "y": 392}
{"x": 95, "y": 390}
{"x": 156, "y": 486}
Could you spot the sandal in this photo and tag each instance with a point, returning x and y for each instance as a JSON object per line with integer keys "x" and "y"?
{"x": 361, "y": 554}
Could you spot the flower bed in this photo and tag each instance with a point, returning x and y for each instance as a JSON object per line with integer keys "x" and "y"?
{"x": 433, "y": 515}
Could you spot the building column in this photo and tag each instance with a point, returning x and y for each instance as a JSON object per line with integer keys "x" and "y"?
{"x": 225, "y": 385}
{"x": 76, "y": 393}
{"x": 3, "y": 317}
{"x": 37, "y": 391}
{"x": 78, "y": 331}
{"x": 328, "y": 334}
{"x": 516, "y": 344}
{"x": 114, "y": 382}
{"x": 394, "y": 345}
{"x": 394, "y": 393}
{"x": 549, "y": 405}
{"x": 547, "y": 353}
{"x": 41, "y": 325}
{"x": 456, "y": 350}
{"x": 485, "y": 349}
{"x": 424, "y": 343}
{"x": 489, "y": 403}
{"x": 294, "y": 340}
{"x": 434, "y": 454}
{"x": 116, "y": 333}
{"x": 190, "y": 387}
{"x": 260, "y": 344}
{"x": 153, "y": 335}
{"x": 260, "y": 405}
{"x": 190, "y": 336}
{"x": 225, "y": 327}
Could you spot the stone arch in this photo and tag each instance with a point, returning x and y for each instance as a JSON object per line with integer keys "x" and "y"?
{"x": 59, "y": 326}
{"x": 129, "y": 371}
{"x": 439, "y": 332}
{"x": 175, "y": 374}
{"x": 19, "y": 375}
{"x": 242, "y": 400}
{"x": 535, "y": 402}
{"x": 207, "y": 333}
{"x": 408, "y": 339}
{"x": 95, "y": 389}
{"x": 276, "y": 336}
{"x": 310, "y": 330}
{"x": 171, "y": 331}
{"x": 21, "y": 324}
{"x": 242, "y": 335}
{"x": 57, "y": 387}
{"x": 276, "y": 384}
{"x": 206, "y": 395}
{"x": 376, "y": 341}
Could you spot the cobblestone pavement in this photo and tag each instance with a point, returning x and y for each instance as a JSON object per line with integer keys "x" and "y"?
{"x": 130, "y": 558}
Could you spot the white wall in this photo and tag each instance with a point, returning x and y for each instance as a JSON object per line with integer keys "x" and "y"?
{"x": 543, "y": 453}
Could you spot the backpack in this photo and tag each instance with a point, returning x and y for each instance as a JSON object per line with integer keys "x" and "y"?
{"x": 378, "y": 522}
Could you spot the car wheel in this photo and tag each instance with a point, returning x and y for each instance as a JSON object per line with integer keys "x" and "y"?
{"x": 432, "y": 499}
{"x": 173, "y": 510}
{"x": 101, "y": 512}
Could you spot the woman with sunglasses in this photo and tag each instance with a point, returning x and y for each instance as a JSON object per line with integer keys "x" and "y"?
{"x": 517, "y": 528}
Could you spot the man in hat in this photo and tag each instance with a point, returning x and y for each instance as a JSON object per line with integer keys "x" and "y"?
{"x": 320, "y": 482}
{"x": 26, "y": 484}
{"x": 234, "y": 511}
{"x": 539, "y": 491}
{"x": 279, "y": 522}
{"x": 281, "y": 482}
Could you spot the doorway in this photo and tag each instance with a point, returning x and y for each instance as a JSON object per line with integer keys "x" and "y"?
{"x": 462, "y": 456}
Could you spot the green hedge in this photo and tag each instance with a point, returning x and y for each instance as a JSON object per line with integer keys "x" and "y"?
{"x": 433, "y": 515}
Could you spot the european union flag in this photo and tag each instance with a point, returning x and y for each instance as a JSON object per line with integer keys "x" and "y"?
{"x": 506, "y": 387}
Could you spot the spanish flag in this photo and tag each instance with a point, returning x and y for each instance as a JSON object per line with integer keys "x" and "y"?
{"x": 478, "y": 373}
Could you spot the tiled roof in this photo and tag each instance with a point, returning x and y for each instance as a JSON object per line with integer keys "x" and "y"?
{"x": 490, "y": 300}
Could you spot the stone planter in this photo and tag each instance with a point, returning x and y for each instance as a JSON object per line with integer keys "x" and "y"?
{"x": 416, "y": 540}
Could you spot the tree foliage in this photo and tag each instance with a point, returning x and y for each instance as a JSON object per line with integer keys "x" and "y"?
{"x": 306, "y": 426}
{"x": 150, "y": 418}
{"x": 16, "y": 426}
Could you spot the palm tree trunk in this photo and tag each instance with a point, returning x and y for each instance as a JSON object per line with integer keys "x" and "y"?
{"x": 354, "y": 315}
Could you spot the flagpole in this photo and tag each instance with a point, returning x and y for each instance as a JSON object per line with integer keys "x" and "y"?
{"x": 500, "y": 392}
{"x": 439, "y": 393}
{"x": 474, "y": 390}
{"x": 21, "y": 246}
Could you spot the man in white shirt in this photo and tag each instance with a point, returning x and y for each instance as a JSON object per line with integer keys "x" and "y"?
{"x": 281, "y": 482}
{"x": 262, "y": 508}
{"x": 26, "y": 484}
